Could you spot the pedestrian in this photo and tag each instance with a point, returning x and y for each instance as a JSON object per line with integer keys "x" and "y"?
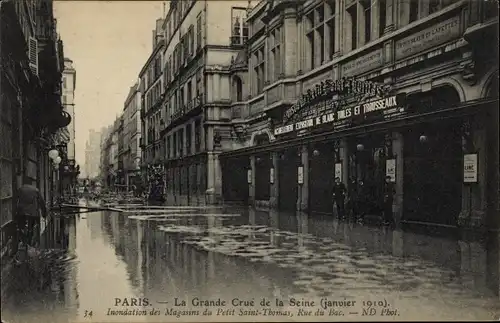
{"x": 30, "y": 204}
{"x": 389, "y": 193}
{"x": 339, "y": 194}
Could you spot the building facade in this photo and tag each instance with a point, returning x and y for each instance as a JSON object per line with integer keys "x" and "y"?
{"x": 365, "y": 90}
{"x": 31, "y": 113}
{"x": 198, "y": 52}
{"x": 132, "y": 136}
{"x": 151, "y": 89}
{"x": 68, "y": 101}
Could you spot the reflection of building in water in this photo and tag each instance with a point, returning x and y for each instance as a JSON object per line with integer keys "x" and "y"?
{"x": 70, "y": 279}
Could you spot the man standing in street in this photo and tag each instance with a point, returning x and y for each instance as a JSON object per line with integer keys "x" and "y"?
{"x": 29, "y": 205}
{"x": 339, "y": 191}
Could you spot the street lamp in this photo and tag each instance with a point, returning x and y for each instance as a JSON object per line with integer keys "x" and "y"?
{"x": 57, "y": 160}
{"x": 53, "y": 154}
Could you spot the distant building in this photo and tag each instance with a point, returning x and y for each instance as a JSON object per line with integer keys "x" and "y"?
{"x": 132, "y": 136}
{"x": 92, "y": 154}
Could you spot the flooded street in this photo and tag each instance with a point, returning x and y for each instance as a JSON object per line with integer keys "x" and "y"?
{"x": 163, "y": 264}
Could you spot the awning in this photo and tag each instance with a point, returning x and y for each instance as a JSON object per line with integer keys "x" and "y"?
{"x": 463, "y": 109}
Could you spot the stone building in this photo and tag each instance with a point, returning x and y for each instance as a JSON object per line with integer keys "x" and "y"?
{"x": 132, "y": 136}
{"x": 199, "y": 48}
{"x": 362, "y": 90}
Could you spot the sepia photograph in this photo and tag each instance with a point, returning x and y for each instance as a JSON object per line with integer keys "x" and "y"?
{"x": 249, "y": 161}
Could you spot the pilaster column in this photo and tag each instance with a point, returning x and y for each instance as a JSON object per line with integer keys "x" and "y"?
{"x": 303, "y": 196}
{"x": 251, "y": 186}
{"x": 273, "y": 201}
{"x": 344, "y": 159}
{"x": 204, "y": 134}
{"x": 338, "y": 30}
{"x": 397, "y": 149}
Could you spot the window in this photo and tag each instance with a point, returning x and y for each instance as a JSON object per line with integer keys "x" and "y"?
{"x": 189, "y": 91}
{"x": 382, "y": 16}
{"x": 198, "y": 32}
{"x": 197, "y": 135}
{"x": 274, "y": 58}
{"x": 188, "y": 139}
{"x": 186, "y": 48}
{"x": 353, "y": 13}
{"x": 259, "y": 70}
{"x": 191, "y": 40}
{"x": 320, "y": 34}
{"x": 199, "y": 83}
{"x": 238, "y": 87}
{"x": 413, "y": 11}
{"x": 181, "y": 98}
{"x": 181, "y": 142}
{"x": 367, "y": 10}
{"x": 174, "y": 142}
{"x": 239, "y": 30}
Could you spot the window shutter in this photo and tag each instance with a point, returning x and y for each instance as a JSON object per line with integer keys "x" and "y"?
{"x": 33, "y": 55}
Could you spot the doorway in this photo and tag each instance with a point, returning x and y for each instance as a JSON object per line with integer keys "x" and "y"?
{"x": 433, "y": 172}
{"x": 288, "y": 163}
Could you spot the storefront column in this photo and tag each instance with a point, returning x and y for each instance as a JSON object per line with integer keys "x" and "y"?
{"x": 214, "y": 177}
{"x": 273, "y": 200}
{"x": 344, "y": 159}
{"x": 251, "y": 186}
{"x": 303, "y": 196}
{"x": 474, "y": 194}
{"x": 397, "y": 149}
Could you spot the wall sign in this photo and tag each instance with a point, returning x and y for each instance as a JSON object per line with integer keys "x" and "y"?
{"x": 249, "y": 176}
{"x": 390, "y": 169}
{"x": 363, "y": 64}
{"x": 338, "y": 170}
{"x": 328, "y": 88}
{"x": 271, "y": 175}
{"x": 470, "y": 168}
{"x": 300, "y": 175}
{"x": 428, "y": 38}
{"x": 391, "y": 104}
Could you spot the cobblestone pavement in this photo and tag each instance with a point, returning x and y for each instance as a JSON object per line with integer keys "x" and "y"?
{"x": 161, "y": 253}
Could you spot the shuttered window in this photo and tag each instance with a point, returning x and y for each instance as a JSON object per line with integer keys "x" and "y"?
{"x": 33, "y": 54}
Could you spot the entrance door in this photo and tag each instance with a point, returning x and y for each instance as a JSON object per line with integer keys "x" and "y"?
{"x": 287, "y": 180}
{"x": 433, "y": 173}
{"x": 234, "y": 179}
{"x": 321, "y": 178}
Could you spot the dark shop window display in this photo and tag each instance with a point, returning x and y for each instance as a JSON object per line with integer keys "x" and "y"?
{"x": 288, "y": 163}
{"x": 321, "y": 177}
{"x": 234, "y": 179}
{"x": 263, "y": 164}
{"x": 366, "y": 173}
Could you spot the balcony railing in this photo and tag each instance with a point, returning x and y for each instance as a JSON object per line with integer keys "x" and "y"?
{"x": 191, "y": 105}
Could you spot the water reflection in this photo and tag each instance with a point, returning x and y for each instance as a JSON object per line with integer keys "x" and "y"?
{"x": 261, "y": 254}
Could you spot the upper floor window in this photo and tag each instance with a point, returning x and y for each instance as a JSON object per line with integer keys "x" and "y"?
{"x": 191, "y": 39}
{"x": 259, "y": 68}
{"x": 274, "y": 58}
{"x": 382, "y": 16}
{"x": 413, "y": 10}
{"x": 320, "y": 34}
{"x": 239, "y": 26}
{"x": 199, "y": 83}
{"x": 360, "y": 16}
{"x": 199, "y": 31}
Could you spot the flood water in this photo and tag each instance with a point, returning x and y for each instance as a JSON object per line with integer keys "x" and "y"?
{"x": 189, "y": 254}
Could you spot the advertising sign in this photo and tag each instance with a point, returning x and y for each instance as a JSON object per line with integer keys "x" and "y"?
{"x": 271, "y": 175}
{"x": 249, "y": 176}
{"x": 338, "y": 170}
{"x": 391, "y": 105}
{"x": 390, "y": 169}
{"x": 470, "y": 168}
{"x": 300, "y": 173}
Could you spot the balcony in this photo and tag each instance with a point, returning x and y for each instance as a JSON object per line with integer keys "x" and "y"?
{"x": 186, "y": 111}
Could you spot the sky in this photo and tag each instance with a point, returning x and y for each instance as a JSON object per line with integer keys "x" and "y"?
{"x": 108, "y": 42}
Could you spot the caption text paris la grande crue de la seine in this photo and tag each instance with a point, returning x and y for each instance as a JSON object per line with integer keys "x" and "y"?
{"x": 270, "y": 307}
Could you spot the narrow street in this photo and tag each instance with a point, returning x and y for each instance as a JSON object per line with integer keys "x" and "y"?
{"x": 174, "y": 254}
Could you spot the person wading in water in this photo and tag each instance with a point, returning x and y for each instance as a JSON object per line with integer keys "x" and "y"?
{"x": 339, "y": 192}
{"x": 29, "y": 205}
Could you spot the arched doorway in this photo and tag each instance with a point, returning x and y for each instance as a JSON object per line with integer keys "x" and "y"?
{"x": 432, "y": 170}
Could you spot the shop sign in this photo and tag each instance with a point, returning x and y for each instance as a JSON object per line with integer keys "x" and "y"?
{"x": 390, "y": 169}
{"x": 470, "y": 168}
{"x": 271, "y": 175}
{"x": 391, "y": 104}
{"x": 428, "y": 38}
{"x": 300, "y": 175}
{"x": 338, "y": 170}
{"x": 363, "y": 64}
{"x": 324, "y": 90}
{"x": 249, "y": 176}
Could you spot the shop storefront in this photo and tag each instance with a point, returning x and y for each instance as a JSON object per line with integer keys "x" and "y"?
{"x": 367, "y": 135}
